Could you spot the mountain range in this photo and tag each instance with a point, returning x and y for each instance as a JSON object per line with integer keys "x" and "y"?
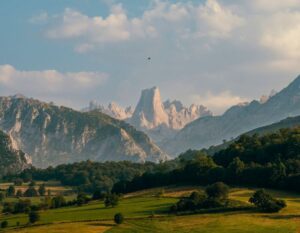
{"x": 158, "y": 119}
{"x": 54, "y": 135}
{"x": 46, "y": 134}
{"x": 212, "y": 130}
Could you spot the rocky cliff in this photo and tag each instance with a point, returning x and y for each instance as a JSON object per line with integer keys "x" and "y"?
{"x": 54, "y": 135}
{"x": 12, "y": 160}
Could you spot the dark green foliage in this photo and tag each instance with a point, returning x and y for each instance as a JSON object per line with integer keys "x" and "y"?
{"x": 111, "y": 200}
{"x": 22, "y": 206}
{"x": 42, "y": 190}
{"x": 30, "y": 192}
{"x": 266, "y": 202}
{"x": 90, "y": 176}
{"x": 216, "y": 196}
{"x": 19, "y": 193}
{"x": 270, "y": 160}
{"x": 82, "y": 198}
{"x": 58, "y": 201}
{"x": 4, "y": 224}
{"x": 33, "y": 217}
{"x": 217, "y": 191}
{"x": 98, "y": 195}
{"x": 2, "y": 196}
{"x": 10, "y": 192}
{"x": 119, "y": 218}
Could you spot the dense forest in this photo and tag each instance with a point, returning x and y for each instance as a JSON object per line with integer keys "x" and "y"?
{"x": 271, "y": 160}
{"x": 88, "y": 176}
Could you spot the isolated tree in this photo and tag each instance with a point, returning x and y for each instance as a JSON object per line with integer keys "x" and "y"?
{"x": 33, "y": 217}
{"x": 119, "y": 218}
{"x": 42, "y": 190}
{"x": 11, "y": 191}
{"x": 218, "y": 191}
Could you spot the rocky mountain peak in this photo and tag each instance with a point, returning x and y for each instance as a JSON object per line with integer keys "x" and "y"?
{"x": 149, "y": 112}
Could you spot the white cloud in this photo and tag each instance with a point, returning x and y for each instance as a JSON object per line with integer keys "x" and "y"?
{"x": 218, "y": 103}
{"x": 274, "y": 5}
{"x": 216, "y": 20}
{"x": 209, "y": 19}
{"x": 116, "y": 27}
{"x": 48, "y": 82}
{"x": 246, "y": 47}
{"x": 281, "y": 33}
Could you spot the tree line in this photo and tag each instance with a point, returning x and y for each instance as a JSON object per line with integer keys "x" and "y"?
{"x": 271, "y": 161}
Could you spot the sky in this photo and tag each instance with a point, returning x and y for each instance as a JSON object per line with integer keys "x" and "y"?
{"x": 212, "y": 52}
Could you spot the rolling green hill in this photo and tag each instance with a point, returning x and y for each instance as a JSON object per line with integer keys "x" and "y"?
{"x": 144, "y": 212}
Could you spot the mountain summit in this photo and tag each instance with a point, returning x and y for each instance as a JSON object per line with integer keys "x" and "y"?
{"x": 149, "y": 112}
{"x": 160, "y": 120}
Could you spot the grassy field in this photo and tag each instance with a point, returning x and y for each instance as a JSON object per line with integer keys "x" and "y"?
{"x": 145, "y": 212}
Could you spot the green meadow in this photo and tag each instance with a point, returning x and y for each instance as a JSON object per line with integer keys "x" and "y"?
{"x": 145, "y": 212}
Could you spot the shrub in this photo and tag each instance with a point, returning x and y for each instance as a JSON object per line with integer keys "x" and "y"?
{"x": 33, "y": 216}
{"x": 266, "y": 202}
{"x": 217, "y": 190}
{"x": 4, "y": 224}
{"x": 82, "y": 198}
{"x": 111, "y": 200}
{"x": 119, "y": 218}
{"x": 58, "y": 201}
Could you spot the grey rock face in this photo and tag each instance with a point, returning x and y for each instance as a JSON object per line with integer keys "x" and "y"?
{"x": 54, "y": 135}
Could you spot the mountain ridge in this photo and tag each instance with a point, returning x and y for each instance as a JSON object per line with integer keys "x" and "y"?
{"x": 54, "y": 135}
{"x": 212, "y": 130}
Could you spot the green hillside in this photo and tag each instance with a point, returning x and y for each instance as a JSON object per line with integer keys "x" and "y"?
{"x": 145, "y": 212}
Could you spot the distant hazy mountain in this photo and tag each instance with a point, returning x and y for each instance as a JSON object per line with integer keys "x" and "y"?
{"x": 113, "y": 110}
{"x": 160, "y": 120}
{"x": 212, "y": 130}
{"x": 12, "y": 160}
{"x": 54, "y": 135}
